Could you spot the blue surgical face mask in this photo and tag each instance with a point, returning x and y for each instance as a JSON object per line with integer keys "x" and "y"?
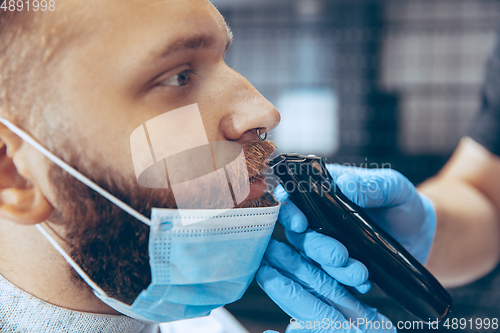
{"x": 195, "y": 267}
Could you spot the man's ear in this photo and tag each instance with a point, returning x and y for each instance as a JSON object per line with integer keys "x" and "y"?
{"x": 21, "y": 199}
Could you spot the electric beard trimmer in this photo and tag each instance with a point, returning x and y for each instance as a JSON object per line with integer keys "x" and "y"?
{"x": 329, "y": 212}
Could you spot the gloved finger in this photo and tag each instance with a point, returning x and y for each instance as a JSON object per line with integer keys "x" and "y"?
{"x": 290, "y": 216}
{"x": 348, "y": 280}
{"x": 361, "y": 289}
{"x": 292, "y": 298}
{"x": 280, "y": 194}
{"x": 313, "y": 279}
{"x": 332, "y": 256}
{"x": 353, "y": 274}
{"x": 380, "y": 188}
{"x": 358, "y": 289}
{"x": 322, "y": 249}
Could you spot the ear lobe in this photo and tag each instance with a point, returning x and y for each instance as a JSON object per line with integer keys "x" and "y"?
{"x": 21, "y": 201}
{"x": 24, "y": 206}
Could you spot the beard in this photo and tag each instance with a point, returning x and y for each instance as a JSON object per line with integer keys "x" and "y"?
{"x": 106, "y": 242}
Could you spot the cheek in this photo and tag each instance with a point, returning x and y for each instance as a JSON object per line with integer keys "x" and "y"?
{"x": 102, "y": 144}
{"x": 98, "y": 131}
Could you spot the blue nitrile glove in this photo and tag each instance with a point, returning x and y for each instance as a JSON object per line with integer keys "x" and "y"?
{"x": 392, "y": 202}
{"x": 316, "y": 302}
{"x": 330, "y": 254}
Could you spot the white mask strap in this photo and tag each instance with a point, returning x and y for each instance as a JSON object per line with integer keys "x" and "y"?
{"x": 69, "y": 260}
{"x": 26, "y": 137}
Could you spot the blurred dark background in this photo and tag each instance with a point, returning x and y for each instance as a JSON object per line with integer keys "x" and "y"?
{"x": 367, "y": 83}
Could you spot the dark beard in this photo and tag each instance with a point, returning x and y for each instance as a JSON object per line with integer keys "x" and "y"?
{"x": 107, "y": 243}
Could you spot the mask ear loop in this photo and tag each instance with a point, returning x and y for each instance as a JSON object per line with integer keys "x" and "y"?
{"x": 66, "y": 167}
{"x": 69, "y": 260}
{"x": 58, "y": 236}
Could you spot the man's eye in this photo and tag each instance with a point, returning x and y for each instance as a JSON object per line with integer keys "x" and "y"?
{"x": 179, "y": 80}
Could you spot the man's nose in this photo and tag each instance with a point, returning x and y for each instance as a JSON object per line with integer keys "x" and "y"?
{"x": 247, "y": 110}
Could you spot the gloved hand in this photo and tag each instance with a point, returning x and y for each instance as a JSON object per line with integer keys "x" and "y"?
{"x": 388, "y": 197}
{"x": 306, "y": 292}
{"x": 327, "y": 252}
{"x": 392, "y": 201}
{"x": 316, "y": 302}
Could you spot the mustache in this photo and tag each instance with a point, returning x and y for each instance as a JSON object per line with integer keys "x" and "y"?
{"x": 207, "y": 192}
{"x": 257, "y": 155}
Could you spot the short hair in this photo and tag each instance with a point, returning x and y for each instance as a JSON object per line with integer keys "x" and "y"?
{"x": 29, "y": 48}
{"x": 17, "y": 64}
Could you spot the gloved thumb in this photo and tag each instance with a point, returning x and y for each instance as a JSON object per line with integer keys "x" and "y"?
{"x": 290, "y": 215}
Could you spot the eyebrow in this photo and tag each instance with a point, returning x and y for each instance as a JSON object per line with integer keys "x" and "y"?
{"x": 203, "y": 41}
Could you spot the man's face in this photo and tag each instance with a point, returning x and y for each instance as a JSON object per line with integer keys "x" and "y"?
{"x": 142, "y": 59}
{"x": 138, "y": 60}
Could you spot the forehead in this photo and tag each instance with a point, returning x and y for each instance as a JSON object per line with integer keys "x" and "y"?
{"x": 124, "y": 37}
{"x": 133, "y": 18}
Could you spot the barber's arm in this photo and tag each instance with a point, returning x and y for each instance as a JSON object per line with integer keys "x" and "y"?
{"x": 466, "y": 194}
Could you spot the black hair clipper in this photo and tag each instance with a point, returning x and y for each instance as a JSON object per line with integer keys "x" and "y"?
{"x": 329, "y": 212}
